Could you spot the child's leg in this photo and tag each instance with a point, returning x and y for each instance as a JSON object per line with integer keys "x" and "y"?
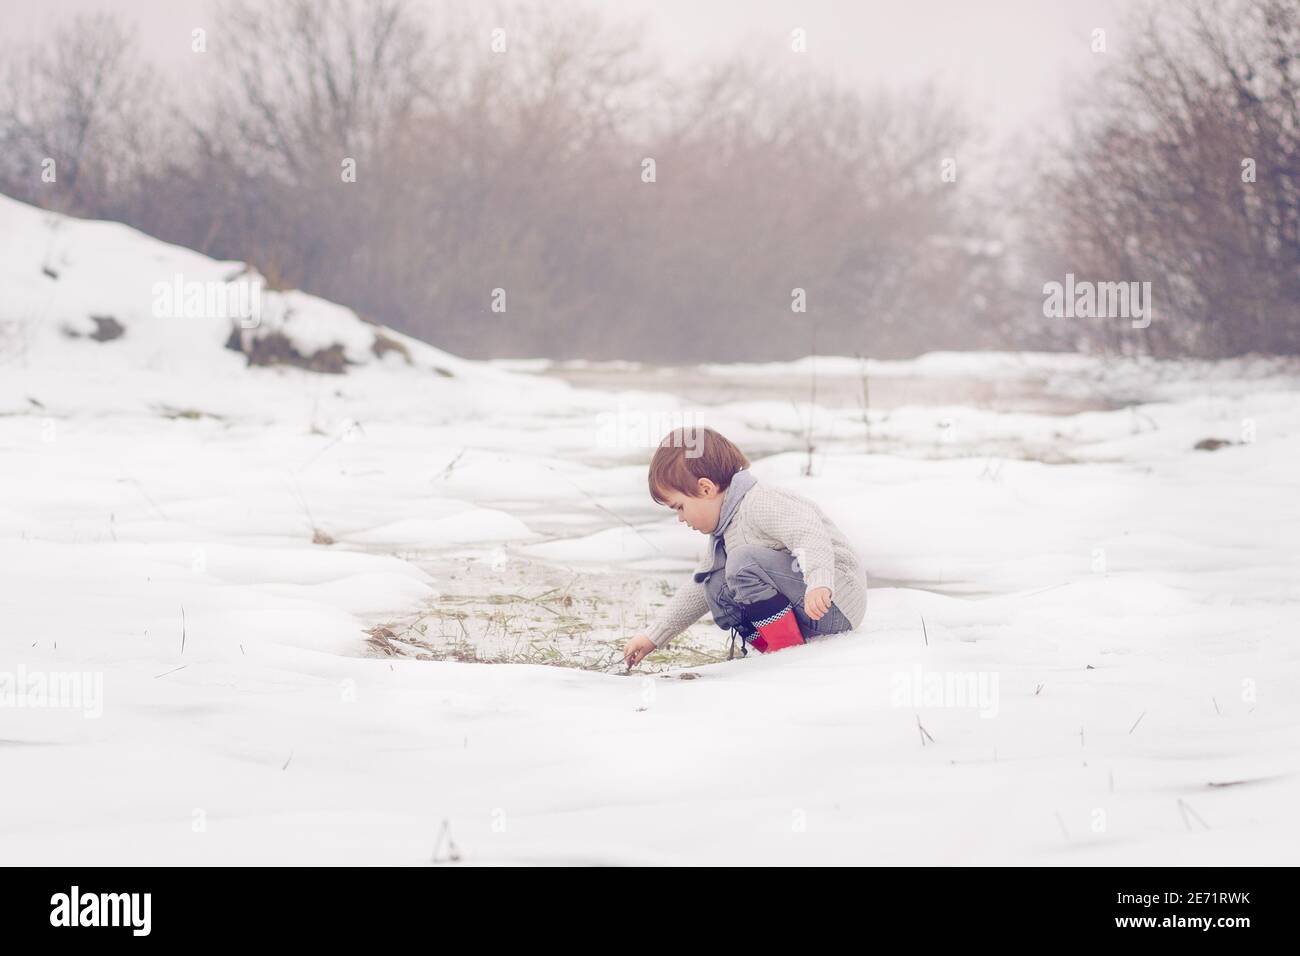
{"x": 757, "y": 575}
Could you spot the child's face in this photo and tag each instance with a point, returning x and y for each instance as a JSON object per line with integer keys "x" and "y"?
{"x": 699, "y": 511}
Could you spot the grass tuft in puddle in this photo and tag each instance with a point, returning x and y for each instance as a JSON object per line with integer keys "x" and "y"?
{"x": 520, "y": 613}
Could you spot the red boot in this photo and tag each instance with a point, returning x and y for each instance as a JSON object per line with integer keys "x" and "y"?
{"x": 776, "y": 624}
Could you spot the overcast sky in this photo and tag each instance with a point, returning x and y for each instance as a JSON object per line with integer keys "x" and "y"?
{"x": 1011, "y": 59}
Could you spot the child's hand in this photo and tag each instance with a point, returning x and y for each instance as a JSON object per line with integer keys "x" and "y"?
{"x": 816, "y": 602}
{"x": 635, "y": 650}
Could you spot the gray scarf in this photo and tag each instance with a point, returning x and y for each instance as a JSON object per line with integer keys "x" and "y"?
{"x": 741, "y": 482}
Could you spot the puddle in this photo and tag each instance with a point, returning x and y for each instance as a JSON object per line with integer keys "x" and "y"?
{"x": 1029, "y": 394}
{"x": 499, "y": 608}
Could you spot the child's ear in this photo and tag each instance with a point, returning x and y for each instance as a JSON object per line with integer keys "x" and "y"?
{"x": 707, "y": 488}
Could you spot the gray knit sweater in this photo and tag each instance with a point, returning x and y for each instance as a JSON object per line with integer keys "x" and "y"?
{"x": 772, "y": 517}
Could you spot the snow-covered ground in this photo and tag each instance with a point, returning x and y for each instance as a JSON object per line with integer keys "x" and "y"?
{"x": 1081, "y": 642}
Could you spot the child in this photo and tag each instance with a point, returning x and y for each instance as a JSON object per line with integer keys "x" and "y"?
{"x": 777, "y": 570}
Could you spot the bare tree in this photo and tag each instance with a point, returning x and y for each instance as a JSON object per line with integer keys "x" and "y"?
{"x": 1187, "y": 174}
{"x": 511, "y": 149}
{"x": 86, "y": 102}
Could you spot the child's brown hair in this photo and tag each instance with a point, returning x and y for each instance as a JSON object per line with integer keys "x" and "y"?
{"x": 689, "y": 454}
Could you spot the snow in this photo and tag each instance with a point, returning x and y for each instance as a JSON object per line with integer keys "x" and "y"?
{"x": 474, "y": 524}
{"x": 932, "y": 364}
{"x": 1122, "y": 607}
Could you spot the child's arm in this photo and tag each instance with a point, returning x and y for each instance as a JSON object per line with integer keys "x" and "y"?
{"x": 798, "y": 527}
{"x": 686, "y": 607}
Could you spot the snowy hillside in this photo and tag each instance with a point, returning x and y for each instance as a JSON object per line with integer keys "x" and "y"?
{"x": 274, "y": 590}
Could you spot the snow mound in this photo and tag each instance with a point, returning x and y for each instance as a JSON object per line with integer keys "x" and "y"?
{"x": 77, "y": 283}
